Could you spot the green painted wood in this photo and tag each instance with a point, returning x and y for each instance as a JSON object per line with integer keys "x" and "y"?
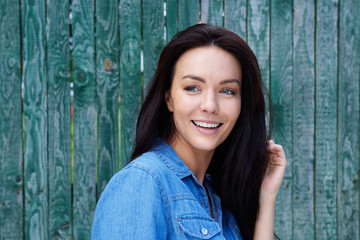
{"x": 171, "y": 19}
{"x": 235, "y": 16}
{"x": 281, "y": 96}
{"x": 303, "y": 119}
{"x": 258, "y": 38}
{"x": 188, "y": 13}
{"x": 83, "y": 60}
{"x": 153, "y": 36}
{"x": 326, "y": 119}
{"x": 212, "y": 12}
{"x": 58, "y": 108}
{"x": 11, "y": 180}
{"x": 130, "y": 73}
{"x": 107, "y": 91}
{"x": 348, "y": 120}
{"x": 258, "y": 34}
{"x": 35, "y": 120}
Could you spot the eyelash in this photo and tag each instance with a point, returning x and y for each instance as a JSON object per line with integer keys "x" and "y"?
{"x": 226, "y": 91}
{"x": 191, "y": 88}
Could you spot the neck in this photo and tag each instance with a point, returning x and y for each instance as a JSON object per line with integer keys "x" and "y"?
{"x": 197, "y": 160}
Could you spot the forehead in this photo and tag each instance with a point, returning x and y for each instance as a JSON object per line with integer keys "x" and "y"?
{"x": 208, "y": 61}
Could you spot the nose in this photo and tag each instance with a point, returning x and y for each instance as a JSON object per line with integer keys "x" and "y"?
{"x": 209, "y": 103}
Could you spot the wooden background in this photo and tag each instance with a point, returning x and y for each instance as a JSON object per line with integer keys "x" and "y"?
{"x": 54, "y": 164}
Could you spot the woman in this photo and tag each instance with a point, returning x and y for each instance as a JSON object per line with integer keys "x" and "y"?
{"x": 202, "y": 166}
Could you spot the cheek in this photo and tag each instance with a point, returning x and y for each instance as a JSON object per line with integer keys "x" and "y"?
{"x": 233, "y": 110}
{"x": 183, "y": 103}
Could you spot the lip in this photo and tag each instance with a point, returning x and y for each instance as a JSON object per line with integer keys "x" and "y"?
{"x": 207, "y": 131}
{"x": 207, "y": 121}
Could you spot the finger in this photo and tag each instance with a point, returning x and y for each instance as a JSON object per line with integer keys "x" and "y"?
{"x": 270, "y": 144}
{"x": 277, "y": 149}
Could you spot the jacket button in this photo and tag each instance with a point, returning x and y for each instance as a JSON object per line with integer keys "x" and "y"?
{"x": 204, "y": 231}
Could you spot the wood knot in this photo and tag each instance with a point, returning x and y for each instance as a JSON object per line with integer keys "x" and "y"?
{"x": 18, "y": 179}
{"x": 108, "y": 65}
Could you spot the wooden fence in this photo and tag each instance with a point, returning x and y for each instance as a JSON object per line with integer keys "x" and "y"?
{"x": 54, "y": 166}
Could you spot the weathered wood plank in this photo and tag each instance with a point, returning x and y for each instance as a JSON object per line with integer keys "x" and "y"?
{"x": 283, "y": 210}
{"x": 188, "y": 13}
{"x": 258, "y": 36}
{"x": 282, "y": 76}
{"x": 348, "y": 125}
{"x": 212, "y": 12}
{"x": 235, "y": 16}
{"x": 171, "y": 19}
{"x": 11, "y": 180}
{"x": 107, "y": 91}
{"x": 326, "y": 119}
{"x": 153, "y": 36}
{"x": 281, "y": 97}
{"x": 130, "y": 73}
{"x": 35, "y": 119}
{"x": 59, "y": 150}
{"x": 303, "y": 120}
{"x": 83, "y": 58}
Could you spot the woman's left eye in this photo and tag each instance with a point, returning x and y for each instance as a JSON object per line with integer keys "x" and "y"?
{"x": 228, "y": 91}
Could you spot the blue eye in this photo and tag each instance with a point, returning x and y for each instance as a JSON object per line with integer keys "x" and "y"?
{"x": 228, "y": 91}
{"x": 191, "y": 89}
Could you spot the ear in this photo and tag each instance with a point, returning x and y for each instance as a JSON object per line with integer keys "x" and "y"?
{"x": 169, "y": 101}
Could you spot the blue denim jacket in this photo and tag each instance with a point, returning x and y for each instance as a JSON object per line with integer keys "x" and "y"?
{"x": 156, "y": 196}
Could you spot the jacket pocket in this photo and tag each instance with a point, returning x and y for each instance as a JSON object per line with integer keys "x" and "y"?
{"x": 192, "y": 226}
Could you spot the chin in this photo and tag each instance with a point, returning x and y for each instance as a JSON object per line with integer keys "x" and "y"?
{"x": 206, "y": 145}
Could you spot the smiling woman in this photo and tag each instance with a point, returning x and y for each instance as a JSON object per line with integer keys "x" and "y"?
{"x": 205, "y": 101}
{"x": 202, "y": 165}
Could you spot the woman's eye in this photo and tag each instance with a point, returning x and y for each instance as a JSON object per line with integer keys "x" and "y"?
{"x": 228, "y": 91}
{"x": 191, "y": 89}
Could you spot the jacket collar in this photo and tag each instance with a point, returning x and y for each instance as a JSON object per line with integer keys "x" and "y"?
{"x": 171, "y": 159}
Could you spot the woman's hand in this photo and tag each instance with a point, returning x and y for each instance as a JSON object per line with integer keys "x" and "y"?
{"x": 264, "y": 227}
{"x": 274, "y": 173}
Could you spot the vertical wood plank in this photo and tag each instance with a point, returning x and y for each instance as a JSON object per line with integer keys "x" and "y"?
{"x": 59, "y": 150}
{"x": 107, "y": 91}
{"x": 84, "y": 192}
{"x": 35, "y": 119}
{"x": 348, "y": 132}
{"x": 235, "y": 16}
{"x": 303, "y": 120}
{"x": 11, "y": 180}
{"x": 281, "y": 97}
{"x": 258, "y": 36}
{"x": 212, "y": 12}
{"x": 188, "y": 13}
{"x": 130, "y": 73}
{"x": 153, "y": 35}
{"x": 326, "y": 119}
{"x": 171, "y": 19}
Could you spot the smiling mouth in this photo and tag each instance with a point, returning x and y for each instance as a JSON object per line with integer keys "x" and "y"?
{"x": 206, "y": 125}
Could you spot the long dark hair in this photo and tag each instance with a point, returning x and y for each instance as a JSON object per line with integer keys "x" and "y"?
{"x": 239, "y": 163}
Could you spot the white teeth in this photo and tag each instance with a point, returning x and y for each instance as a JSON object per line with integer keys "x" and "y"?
{"x": 207, "y": 125}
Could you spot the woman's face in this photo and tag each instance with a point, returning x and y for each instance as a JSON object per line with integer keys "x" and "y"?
{"x": 204, "y": 98}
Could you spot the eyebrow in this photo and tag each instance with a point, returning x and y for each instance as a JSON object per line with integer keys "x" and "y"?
{"x": 203, "y": 80}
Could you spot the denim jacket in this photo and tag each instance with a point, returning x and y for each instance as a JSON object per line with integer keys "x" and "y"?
{"x": 156, "y": 196}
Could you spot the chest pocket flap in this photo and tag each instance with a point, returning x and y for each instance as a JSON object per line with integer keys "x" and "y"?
{"x": 198, "y": 226}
